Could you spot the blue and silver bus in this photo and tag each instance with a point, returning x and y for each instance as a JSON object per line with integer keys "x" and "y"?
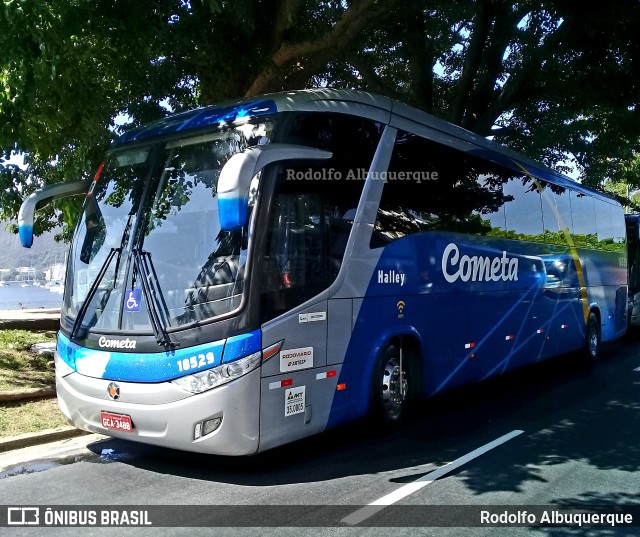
{"x": 248, "y": 274}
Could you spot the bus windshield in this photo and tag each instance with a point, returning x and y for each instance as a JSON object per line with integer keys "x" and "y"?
{"x": 149, "y": 250}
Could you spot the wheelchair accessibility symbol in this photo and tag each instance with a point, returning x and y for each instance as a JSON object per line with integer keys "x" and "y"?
{"x": 133, "y": 300}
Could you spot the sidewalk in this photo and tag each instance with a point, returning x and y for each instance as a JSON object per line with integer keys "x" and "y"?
{"x": 10, "y": 443}
{"x": 17, "y": 460}
{"x": 30, "y": 319}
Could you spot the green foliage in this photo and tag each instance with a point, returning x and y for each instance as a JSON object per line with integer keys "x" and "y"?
{"x": 19, "y": 367}
{"x": 561, "y": 238}
{"x": 21, "y": 370}
{"x": 68, "y": 69}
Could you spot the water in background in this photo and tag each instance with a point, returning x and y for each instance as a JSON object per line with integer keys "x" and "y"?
{"x": 15, "y": 297}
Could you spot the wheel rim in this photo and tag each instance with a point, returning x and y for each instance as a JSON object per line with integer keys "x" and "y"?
{"x": 394, "y": 393}
{"x": 593, "y": 341}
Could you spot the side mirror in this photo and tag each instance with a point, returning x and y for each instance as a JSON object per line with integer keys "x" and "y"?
{"x": 39, "y": 199}
{"x": 240, "y": 169}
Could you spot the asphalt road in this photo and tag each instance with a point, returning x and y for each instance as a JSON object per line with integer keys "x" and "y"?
{"x": 553, "y": 435}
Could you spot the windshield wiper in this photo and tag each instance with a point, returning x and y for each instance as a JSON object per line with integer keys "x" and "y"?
{"x": 93, "y": 289}
{"x": 154, "y": 297}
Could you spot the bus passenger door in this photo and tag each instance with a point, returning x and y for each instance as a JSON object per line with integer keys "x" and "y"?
{"x": 296, "y": 270}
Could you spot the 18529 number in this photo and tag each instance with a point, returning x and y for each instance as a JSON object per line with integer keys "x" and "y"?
{"x": 195, "y": 362}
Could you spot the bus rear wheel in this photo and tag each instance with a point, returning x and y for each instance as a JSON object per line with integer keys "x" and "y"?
{"x": 391, "y": 386}
{"x": 593, "y": 337}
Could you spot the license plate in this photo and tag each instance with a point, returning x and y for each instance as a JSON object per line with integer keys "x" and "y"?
{"x": 116, "y": 422}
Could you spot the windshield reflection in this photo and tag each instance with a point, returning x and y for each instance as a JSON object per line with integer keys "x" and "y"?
{"x": 161, "y": 205}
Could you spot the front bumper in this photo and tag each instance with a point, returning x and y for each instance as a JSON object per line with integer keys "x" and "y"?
{"x": 166, "y": 416}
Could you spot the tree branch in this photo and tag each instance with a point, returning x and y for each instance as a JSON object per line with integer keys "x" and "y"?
{"x": 420, "y": 56}
{"x": 352, "y": 21}
{"x": 502, "y": 33}
{"x": 522, "y": 84}
{"x": 372, "y": 80}
{"x": 472, "y": 61}
{"x": 287, "y": 16}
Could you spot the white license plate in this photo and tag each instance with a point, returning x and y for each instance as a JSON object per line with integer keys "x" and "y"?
{"x": 116, "y": 422}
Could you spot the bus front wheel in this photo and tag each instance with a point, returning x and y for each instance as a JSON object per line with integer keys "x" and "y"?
{"x": 593, "y": 337}
{"x": 391, "y": 386}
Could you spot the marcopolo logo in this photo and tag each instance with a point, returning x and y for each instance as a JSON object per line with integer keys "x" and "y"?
{"x": 477, "y": 268}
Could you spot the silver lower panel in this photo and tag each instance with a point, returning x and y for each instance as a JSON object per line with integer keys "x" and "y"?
{"x": 171, "y": 424}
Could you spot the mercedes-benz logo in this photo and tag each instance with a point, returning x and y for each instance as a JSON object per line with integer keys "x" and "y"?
{"x": 114, "y": 391}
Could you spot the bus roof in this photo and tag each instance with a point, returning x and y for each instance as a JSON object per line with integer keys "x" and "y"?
{"x": 369, "y": 105}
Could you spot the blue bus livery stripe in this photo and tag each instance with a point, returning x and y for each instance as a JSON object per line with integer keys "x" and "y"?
{"x": 199, "y": 118}
{"x": 495, "y": 322}
{"x": 158, "y": 366}
{"x": 243, "y": 345}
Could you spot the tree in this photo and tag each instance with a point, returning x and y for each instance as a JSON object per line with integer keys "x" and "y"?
{"x": 548, "y": 77}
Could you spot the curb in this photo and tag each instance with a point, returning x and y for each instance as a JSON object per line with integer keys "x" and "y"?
{"x": 30, "y": 319}
{"x": 31, "y": 439}
{"x": 30, "y": 324}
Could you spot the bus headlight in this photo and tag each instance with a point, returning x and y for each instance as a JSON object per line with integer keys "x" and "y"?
{"x": 206, "y": 380}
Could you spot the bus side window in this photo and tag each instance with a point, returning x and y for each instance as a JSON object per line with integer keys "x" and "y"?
{"x": 523, "y": 209}
{"x": 430, "y": 186}
{"x": 297, "y": 230}
{"x": 308, "y": 233}
{"x": 610, "y": 233}
{"x": 313, "y": 207}
{"x": 563, "y": 203}
{"x": 585, "y": 233}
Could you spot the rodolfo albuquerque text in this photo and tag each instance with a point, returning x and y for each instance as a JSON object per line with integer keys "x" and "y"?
{"x": 359, "y": 174}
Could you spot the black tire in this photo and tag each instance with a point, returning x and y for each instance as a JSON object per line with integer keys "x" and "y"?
{"x": 390, "y": 393}
{"x": 593, "y": 338}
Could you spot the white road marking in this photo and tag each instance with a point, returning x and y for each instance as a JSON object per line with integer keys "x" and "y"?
{"x": 369, "y": 510}
{"x": 637, "y": 369}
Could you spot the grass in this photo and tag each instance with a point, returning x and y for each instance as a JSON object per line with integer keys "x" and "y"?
{"x": 20, "y": 369}
{"x": 29, "y": 417}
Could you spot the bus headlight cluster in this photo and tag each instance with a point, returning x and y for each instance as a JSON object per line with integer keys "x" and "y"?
{"x": 206, "y": 380}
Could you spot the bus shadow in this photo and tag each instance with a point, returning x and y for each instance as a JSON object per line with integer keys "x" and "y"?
{"x": 569, "y": 412}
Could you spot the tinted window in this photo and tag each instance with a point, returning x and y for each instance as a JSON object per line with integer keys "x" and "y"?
{"x": 609, "y": 221}
{"x": 619, "y": 231}
{"x": 604, "y": 223}
{"x": 585, "y": 233}
{"x": 313, "y": 208}
{"x": 523, "y": 209}
{"x": 549, "y": 210}
{"x": 556, "y": 213}
{"x": 352, "y": 140}
{"x": 430, "y": 186}
{"x": 563, "y": 203}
